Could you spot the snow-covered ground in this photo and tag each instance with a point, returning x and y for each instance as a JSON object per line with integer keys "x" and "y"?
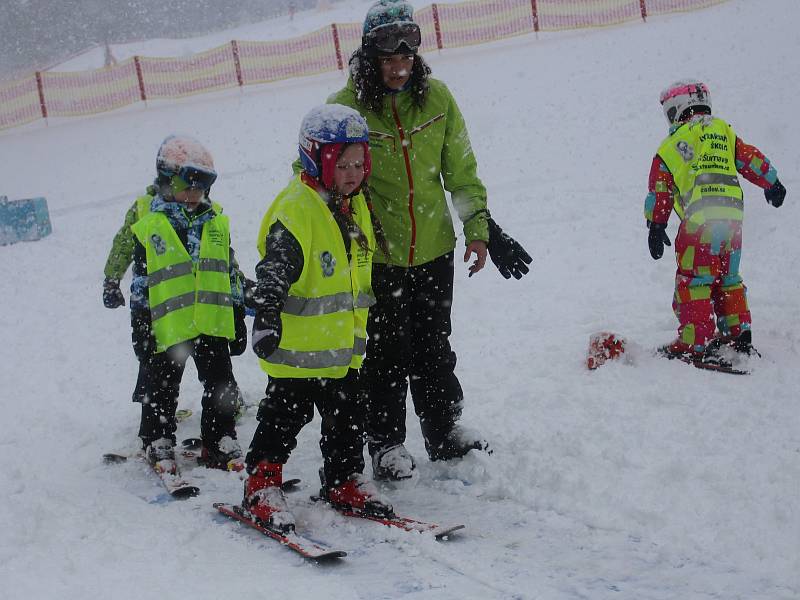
{"x": 643, "y": 481}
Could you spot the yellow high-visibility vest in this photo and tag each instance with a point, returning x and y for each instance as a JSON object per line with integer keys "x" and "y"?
{"x": 324, "y": 318}
{"x": 187, "y": 299}
{"x": 702, "y": 160}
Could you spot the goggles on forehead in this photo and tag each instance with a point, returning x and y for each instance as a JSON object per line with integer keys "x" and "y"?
{"x": 391, "y": 37}
{"x": 197, "y": 178}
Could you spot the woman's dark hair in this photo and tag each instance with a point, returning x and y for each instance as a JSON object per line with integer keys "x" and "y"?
{"x": 366, "y": 74}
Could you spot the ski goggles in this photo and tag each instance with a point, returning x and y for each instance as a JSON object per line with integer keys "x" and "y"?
{"x": 389, "y": 38}
{"x": 197, "y": 178}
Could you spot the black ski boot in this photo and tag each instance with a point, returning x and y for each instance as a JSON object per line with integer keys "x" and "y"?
{"x": 453, "y": 443}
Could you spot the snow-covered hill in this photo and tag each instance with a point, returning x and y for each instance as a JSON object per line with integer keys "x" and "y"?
{"x": 644, "y": 481}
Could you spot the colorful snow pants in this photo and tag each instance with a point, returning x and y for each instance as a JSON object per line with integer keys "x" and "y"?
{"x": 707, "y": 282}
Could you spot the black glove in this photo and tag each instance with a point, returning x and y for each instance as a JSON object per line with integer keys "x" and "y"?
{"x": 775, "y": 194}
{"x": 144, "y": 342}
{"x": 507, "y": 255}
{"x": 239, "y": 345}
{"x": 657, "y": 238}
{"x": 112, "y": 295}
{"x": 267, "y": 329}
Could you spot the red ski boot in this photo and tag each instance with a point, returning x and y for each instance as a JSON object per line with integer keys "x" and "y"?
{"x": 357, "y": 494}
{"x": 682, "y": 351}
{"x": 264, "y": 499}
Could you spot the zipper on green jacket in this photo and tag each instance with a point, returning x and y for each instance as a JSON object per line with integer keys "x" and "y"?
{"x": 407, "y": 159}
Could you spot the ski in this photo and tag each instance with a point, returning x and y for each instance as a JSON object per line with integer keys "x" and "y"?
{"x": 177, "y": 486}
{"x": 292, "y": 540}
{"x": 718, "y": 365}
{"x": 114, "y": 458}
{"x": 405, "y": 523}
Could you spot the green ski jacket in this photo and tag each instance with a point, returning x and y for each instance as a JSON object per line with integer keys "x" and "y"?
{"x": 417, "y": 154}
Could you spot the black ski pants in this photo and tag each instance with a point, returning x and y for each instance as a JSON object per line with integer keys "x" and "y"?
{"x": 408, "y": 331}
{"x": 289, "y": 405}
{"x": 163, "y": 375}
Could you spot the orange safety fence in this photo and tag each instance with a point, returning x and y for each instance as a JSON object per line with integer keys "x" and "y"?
{"x": 65, "y": 94}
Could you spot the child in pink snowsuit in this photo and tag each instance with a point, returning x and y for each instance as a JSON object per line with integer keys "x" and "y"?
{"x": 695, "y": 172}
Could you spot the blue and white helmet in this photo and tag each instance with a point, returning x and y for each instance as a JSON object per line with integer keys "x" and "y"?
{"x": 330, "y": 124}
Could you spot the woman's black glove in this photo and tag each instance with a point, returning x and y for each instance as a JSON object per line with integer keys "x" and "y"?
{"x": 775, "y": 194}
{"x": 238, "y": 345}
{"x": 112, "y": 295}
{"x": 506, "y": 253}
{"x": 144, "y": 342}
{"x": 656, "y": 239}
{"x": 267, "y": 331}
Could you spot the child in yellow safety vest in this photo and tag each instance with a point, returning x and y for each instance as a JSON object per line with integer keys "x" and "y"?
{"x": 313, "y": 293}
{"x": 695, "y": 172}
{"x": 186, "y": 300}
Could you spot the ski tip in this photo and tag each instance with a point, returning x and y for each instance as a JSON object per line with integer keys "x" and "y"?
{"x": 184, "y": 492}
{"x": 290, "y": 485}
{"x": 445, "y": 532}
{"x": 324, "y": 556}
{"x": 111, "y": 458}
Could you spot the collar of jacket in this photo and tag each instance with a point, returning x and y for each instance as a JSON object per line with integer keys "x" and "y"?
{"x": 178, "y": 216}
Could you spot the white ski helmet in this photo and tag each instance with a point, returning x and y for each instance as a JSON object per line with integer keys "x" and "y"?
{"x": 682, "y": 95}
{"x": 331, "y": 126}
{"x": 184, "y": 156}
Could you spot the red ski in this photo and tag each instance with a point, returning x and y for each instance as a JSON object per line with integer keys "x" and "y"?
{"x": 292, "y": 540}
{"x": 404, "y": 523}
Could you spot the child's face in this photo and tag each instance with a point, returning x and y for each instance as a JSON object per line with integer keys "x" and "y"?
{"x": 190, "y": 197}
{"x": 349, "y": 171}
{"x": 396, "y": 70}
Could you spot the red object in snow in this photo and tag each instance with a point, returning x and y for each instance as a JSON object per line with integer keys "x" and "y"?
{"x": 604, "y": 346}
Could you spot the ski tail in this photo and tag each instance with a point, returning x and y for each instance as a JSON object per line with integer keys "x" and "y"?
{"x": 298, "y": 543}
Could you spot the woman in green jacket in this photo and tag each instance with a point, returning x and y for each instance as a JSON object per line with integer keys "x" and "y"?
{"x": 420, "y": 149}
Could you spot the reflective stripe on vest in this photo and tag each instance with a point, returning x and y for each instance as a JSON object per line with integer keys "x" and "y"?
{"x": 324, "y": 318}
{"x": 701, "y": 157}
{"x": 319, "y": 359}
{"x": 186, "y": 302}
{"x": 309, "y": 307}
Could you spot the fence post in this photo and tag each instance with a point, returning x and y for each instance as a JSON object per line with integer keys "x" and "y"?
{"x": 337, "y": 46}
{"x": 437, "y": 26}
{"x": 236, "y": 63}
{"x": 535, "y": 14}
{"x": 140, "y": 77}
{"x": 40, "y": 87}
{"x": 643, "y": 6}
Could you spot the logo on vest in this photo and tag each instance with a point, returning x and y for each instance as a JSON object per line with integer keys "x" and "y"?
{"x": 159, "y": 245}
{"x": 328, "y": 263}
{"x": 685, "y": 150}
{"x": 216, "y": 238}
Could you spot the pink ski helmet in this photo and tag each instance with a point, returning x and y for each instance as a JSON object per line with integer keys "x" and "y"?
{"x": 682, "y": 95}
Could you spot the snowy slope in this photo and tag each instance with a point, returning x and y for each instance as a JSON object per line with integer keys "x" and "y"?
{"x": 282, "y": 27}
{"x": 645, "y": 481}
